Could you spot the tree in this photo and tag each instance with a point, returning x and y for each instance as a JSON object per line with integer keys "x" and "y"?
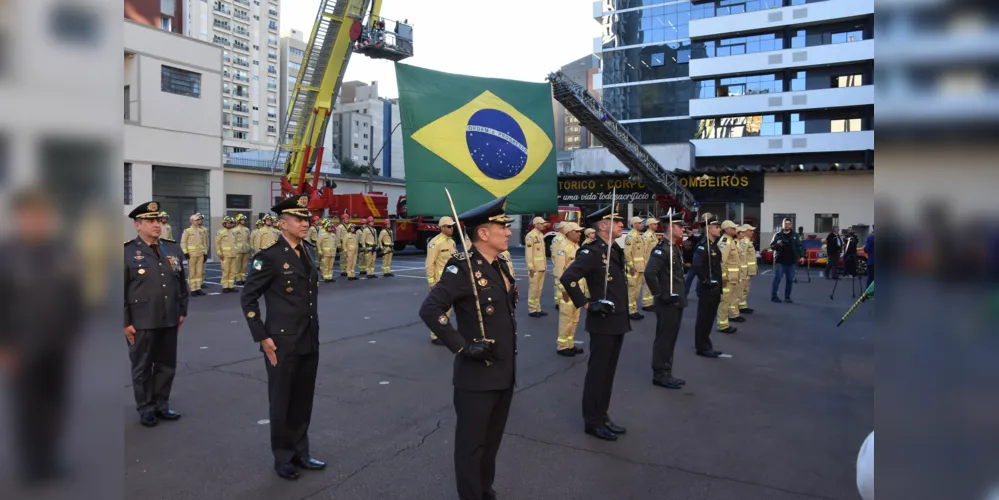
{"x": 354, "y": 169}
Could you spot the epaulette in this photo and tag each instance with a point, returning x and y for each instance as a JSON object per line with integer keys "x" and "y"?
{"x": 268, "y": 246}
{"x": 307, "y": 242}
{"x": 458, "y": 255}
{"x": 128, "y": 241}
{"x": 502, "y": 257}
{"x": 168, "y": 239}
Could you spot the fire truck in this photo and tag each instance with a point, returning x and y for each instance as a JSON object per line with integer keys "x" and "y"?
{"x": 416, "y": 231}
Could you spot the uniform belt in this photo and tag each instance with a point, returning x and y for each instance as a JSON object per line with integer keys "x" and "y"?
{"x": 539, "y": 258}
{"x": 638, "y": 258}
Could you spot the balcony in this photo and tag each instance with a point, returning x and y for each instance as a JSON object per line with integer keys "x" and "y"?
{"x": 240, "y": 45}
{"x": 222, "y": 10}
{"x": 272, "y": 25}
{"x": 242, "y": 62}
{"x": 272, "y": 12}
{"x": 783, "y": 101}
{"x": 241, "y": 78}
{"x": 241, "y": 124}
{"x": 241, "y": 32}
{"x": 241, "y": 109}
{"x": 220, "y": 25}
{"x": 787, "y": 144}
{"x": 819, "y": 55}
{"x": 242, "y": 15}
{"x": 773, "y": 19}
{"x": 243, "y": 2}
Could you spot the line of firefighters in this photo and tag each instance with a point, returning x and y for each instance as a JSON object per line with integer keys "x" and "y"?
{"x": 738, "y": 264}
{"x": 359, "y": 245}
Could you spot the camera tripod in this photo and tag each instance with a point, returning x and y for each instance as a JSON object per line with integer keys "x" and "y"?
{"x": 853, "y": 283}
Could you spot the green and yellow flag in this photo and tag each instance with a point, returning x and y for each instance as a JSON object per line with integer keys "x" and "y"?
{"x": 482, "y": 138}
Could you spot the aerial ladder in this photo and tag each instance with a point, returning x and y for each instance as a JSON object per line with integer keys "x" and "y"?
{"x": 616, "y": 138}
{"x": 342, "y": 27}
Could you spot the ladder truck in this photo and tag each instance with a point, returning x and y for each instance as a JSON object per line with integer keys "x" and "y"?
{"x": 342, "y": 27}
{"x": 616, "y": 138}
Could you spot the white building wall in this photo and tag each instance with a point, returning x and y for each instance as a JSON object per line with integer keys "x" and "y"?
{"x": 259, "y": 186}
{"x": 849, "y": 194}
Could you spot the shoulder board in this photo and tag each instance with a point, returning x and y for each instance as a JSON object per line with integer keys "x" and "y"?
{"x": 307, "y": 242}
{"x": 128, "y": 241}
{"x": 268, "y": 246}
{"x": 168, "y": 239}
{"x": 501, "y": 256}
{"x": 584, "y": 251}
{"x": 458, "y": 256}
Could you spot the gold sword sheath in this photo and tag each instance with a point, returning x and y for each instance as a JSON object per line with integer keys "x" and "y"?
{"x": 471, "y": 273}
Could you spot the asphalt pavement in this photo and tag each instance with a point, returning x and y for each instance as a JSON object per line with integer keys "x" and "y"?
{"x": 783, "y": 418}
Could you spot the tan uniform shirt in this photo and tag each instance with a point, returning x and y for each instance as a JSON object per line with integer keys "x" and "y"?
{"x": 439, "y": 251}
{"x": 562, "y": 260}
{"x": 535, "y": 251}
{"x": 751, "y": 257}
{"x": 167, "y": 232}
{"x": 634, "y": 251}
{"x": 225, "y": 242}
{"x": 268, "y": 236}
{"x": 729, "y": 249}
{"x": 194, "y": 241}
{"x": 385, "y": 240}
{"x": 327, "y": 243}
{"x": 243, "y": 238}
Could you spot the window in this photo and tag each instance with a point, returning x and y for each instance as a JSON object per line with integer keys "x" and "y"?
{"x": 846, "y": 125}
{"x": 356, "y": 145}
{"x": 166, "y": 23}
{"x": 740, "y": 126}
{"x": 365, "y": 146}
{"x": 128, "y": 102}
{"x": 238, "y": 201}
{"x": 848, "y": 36}
{"x": 365, "y": 158}
{"x": 797, "y": 124}
{"x": 799, "y": 82}
{"x": 179, "y": 81}
{"x": 825, "y": 222}
{"x": 658, "y": 59}
{"x": 847, "y": 81}
{"x": 128, "y": 183}
{"x": 778, "y": 221}
{"x": 365, "y": 136}
{"x": 296, "y": 51}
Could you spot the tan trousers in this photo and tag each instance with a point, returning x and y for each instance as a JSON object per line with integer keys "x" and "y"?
{"x": 728, "y": 292}
{"x": 733, "y": 306}
{"x": 351, "y": 262}
{"x": 326, "y": 266}
{"x": 229, "y": 271}
{"x": 744, "y": 301}
{"x": 568, "y": 318}
{"x": 634, "y": 288}
{"x": 372, "y": 257}
{"x": 387, "y": 263}
{"x": 534, "y": 292}
{"x": 195, "y": 271}
{"x": 241, "y": 260}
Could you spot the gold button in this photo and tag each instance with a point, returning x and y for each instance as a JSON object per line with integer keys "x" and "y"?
{"x": 282, "y": 331}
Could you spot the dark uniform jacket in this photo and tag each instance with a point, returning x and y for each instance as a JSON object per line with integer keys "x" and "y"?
{"x": 498, "y": 307}
{"x": 657, "y": 275}
{"x": 833, "y": 245}
{"x": 707, "y": 269}
{"x": 155, "y": 286}
{"x": 589, "y": 264}
{"x": 290, "y": 287}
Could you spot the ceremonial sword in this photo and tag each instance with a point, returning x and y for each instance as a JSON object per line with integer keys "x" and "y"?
{"x": 471, "y": 274}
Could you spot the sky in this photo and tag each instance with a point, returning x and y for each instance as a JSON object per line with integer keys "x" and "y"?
{"x": 514, "y": 39}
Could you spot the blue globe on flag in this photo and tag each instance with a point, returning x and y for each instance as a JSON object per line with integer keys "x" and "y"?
{"x": 497, "y": 144}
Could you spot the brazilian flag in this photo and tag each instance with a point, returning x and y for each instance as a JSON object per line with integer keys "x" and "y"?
{"x": 482, "y": 138}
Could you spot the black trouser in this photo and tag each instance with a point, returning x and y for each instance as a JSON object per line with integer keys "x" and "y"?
{"x": 599, "y": 382}
{"x": 832, "y": 267}
{"x": 290, "y": 388}
{"x": 667, "y": 329}
{"x": 39, "y": 388}
{"x": 688, "y": 282}
{"x": 477, "y": 435}
{"x": 154, "y": 363}
{"x": 707, "y": 309}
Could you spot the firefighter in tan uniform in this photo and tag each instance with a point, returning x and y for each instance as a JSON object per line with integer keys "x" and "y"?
{"x": 733, "y": 307}
{"x": 342, "y": 228}
{"x": 728, "y": 246}
{"x": 167, "y": 232}
{"x": 242, "y": 248}
{"x": 350, "y": 250}
{"x": 370, "y": 247}
{"x": 568, "y": 313}
{"x": 751, "y": 268}
{"x": 651, "y": 240}
{"x": 387, "y": 245}
{"x": 255, "y": 236}
{"x": 314, "y": 230}
{"x": 556, "y": 245}
{"x": 326, "y": 248}
{"x": 226, "y": 241}
{"x": 268, "y": 233}
{"x": 194, "y": 244}
{"x": 634, "y": 257}
{"x": 537, "y": 265}
{"x": 439, "y": 251}
{"x": 509, "y": 262}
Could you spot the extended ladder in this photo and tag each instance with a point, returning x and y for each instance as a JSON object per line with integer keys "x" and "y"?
{"x": 592, "y": 115}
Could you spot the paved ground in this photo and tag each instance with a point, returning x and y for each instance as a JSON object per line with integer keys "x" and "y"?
{"x": 782, "y": 419}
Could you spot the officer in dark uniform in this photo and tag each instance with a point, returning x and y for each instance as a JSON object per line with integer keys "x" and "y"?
{"x": 606, "y": 317}
{"x": 284, "y": 274}
{"x": 707, "y": 269}
{"x": 155, "y": 306}
{"x": 484, "y": 368}
{"x": 669, "y": 302}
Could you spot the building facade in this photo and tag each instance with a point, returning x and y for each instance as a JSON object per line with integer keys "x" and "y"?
{"x": 291, "y": 57}
{"x": 247, "y": 32}
{"x": 366, "y": 128}
{"x": 569, "y": 135}
{"x": 170, "y": 157}
{"x": 166, "y": 15}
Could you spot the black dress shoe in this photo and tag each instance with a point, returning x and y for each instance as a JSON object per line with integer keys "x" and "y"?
{"x": 636, "y": 316}
{"x": 567, "y": 352}
{"x": 287, "y": 471}
{"x": 542, "y": 313}
{"x": 556, "y": 307}
{"x": 534, "y": 314}
{"x": 787, "y": 300}
{"x": 437, "y": 341}
{"x": 148, "y": 419}
{"x": 602, "y": 433}
{"x": 577, "y": 349}
{"x": 729, "y": 330}
{"x": 709, "y": 354}
{"x": 309, "y": 463}
{"x": 388, "y": 275}
{"x": 669, "y": 383}
{"x": 168, "y": 414}
{"x": 616, "y": 429}
{"x": 343, "y": 274}
{"x": 738, "y": 319}
{"x": 372, "y": 276}
{"x": 746, "y": 310}
{"x": 775, "y": 300}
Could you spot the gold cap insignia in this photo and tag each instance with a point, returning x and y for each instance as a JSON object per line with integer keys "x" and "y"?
{"x": 289, "y": 289}
{"x": 251, "y": 315}
{"x": 483, "y": 282}
{"x": 142, "y": 271}
{"x": 153, "y": 206}
{"x": 303, "y": 201}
